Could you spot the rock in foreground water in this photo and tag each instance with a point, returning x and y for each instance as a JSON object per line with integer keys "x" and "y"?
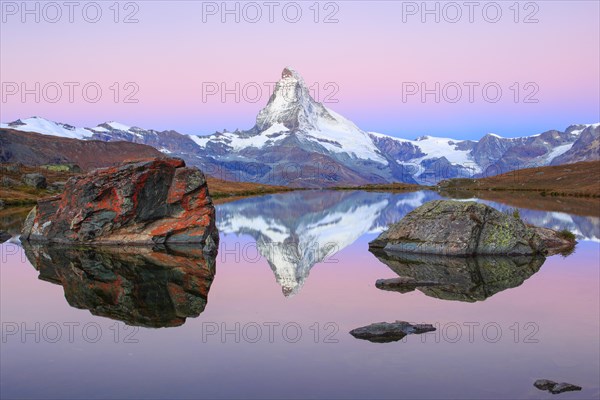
{"x": 555, "y": 387}
{"x": 461, "y": 228}
{"x": 385, "y": 332}
{"x": 150, "y": 201}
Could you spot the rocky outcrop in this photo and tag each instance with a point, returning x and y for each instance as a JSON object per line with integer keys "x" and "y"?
{"x": 556, "y": 242}
{"x": 140, "y": 202}
{"x": 385, "y": 332}
{"x": 6, "y": 181}
{"x": 457, "y": 228}
{"x": 555, "y": 387}
{"x": 467, "y": 279}
{"x": 585, "y": 148}
{"x": 140, "y": 285}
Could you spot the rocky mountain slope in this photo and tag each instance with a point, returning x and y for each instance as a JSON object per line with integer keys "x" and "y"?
{"x": 36, "y": 149}
{"x": 297, "y": 141}
{"x": 585, "y": 148}
{"x": 578, "y": 179}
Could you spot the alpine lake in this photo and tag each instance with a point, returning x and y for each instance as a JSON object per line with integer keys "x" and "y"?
{"x": 269, "y": 316}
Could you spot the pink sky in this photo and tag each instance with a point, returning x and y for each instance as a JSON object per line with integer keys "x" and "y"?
{"x": 367, "y": 55}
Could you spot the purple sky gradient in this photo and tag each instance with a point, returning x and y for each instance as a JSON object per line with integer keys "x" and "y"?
{"x": 367, "y": 57}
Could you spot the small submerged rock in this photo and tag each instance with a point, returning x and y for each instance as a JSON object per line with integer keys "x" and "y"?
{"x": 544, "y": 384}
{"x": 464, "y": 228}
{"x": 385, "y": 332}
{"x": 555, "y": 387}
{"x": 402, "y": 284}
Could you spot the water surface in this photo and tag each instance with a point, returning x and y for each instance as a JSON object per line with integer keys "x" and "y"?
{"x": 269, "y": 316}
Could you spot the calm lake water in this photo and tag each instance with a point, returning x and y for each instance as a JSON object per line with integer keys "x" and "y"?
{"x": 269, "y": 316}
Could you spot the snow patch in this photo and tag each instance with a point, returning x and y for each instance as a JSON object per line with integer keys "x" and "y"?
{"x": 350, "y": 138}
{"x": 46, "y": 127}
{"x": 118, "y": 126}
{"x": 238, "y": 142}
{"x": 99, "y": 129}
{"x": 558, "y": 151}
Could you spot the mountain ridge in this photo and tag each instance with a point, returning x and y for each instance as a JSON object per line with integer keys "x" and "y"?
{"x": 299, "y": 142}
{"x": 34, "y": 149}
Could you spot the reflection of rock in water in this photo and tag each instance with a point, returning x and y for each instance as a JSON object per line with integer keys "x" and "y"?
{"x": 137, "y": 285}
{"x": 12, "y": 218}
{"x": 386, "y": 332}
{"x": 459, "y": 278}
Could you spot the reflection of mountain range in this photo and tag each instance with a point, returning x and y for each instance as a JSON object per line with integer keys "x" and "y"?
{"x": 297, "y": 230}
{"x": 137, "y": 285}
{"x": 460, "y": 278}
{"x": 586, "y": 228}
{"x": 294, "y": 231}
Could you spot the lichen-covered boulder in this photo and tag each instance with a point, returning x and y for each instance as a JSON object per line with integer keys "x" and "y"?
{"x": 150, "y": 201}
{"x": 37, "y": 181}
{"x": 460, "y": 228}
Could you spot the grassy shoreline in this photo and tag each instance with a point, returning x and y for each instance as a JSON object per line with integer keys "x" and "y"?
{"x": 572, "y": 181}
{"x": 386, "y": 187}
{"x": 581, "y": 179}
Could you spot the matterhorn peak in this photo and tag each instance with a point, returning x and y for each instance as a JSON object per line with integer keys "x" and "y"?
{"x": 289, "y": 73}
{"x": 290, "y": 105}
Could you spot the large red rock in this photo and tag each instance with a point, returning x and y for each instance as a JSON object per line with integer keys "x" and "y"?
{"x": 148, "y": 201}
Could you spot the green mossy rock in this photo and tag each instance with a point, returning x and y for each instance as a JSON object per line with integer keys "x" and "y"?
{"x": 460, "y": 228}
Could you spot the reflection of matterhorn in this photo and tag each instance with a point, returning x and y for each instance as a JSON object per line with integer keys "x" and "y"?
{"x": 298, "y": 230}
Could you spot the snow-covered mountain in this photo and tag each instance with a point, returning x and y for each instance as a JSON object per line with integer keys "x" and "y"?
{"x": 46, "y": 127}
{"x": 299, "y": 142}
{"x": 291, "y": 112}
